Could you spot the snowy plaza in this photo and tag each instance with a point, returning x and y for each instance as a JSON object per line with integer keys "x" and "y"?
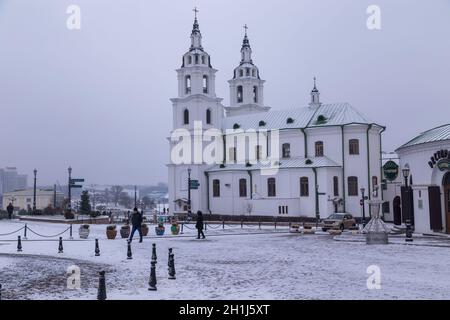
{"x": 232, "y": 263}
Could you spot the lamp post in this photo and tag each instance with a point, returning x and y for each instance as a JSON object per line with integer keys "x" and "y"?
{"x": 34, "y": 191}
{"x": 189, "y": 191}
{"x": 406, "y": 172}
{"x": 69, "y": 205}
{"x": 363, "y": 199}
{"x": 135, "y": 196}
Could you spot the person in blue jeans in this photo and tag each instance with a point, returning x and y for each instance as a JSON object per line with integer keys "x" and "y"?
{"x": 136, "y": 222}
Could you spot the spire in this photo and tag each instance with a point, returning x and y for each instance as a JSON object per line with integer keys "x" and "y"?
{"x": 196, "y": 36}
{"x": 315, "y": 95}
{"x": 246, "y": 50}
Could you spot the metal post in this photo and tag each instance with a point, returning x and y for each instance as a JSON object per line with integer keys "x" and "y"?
{"x": 0, "y": 292}
{"x": 242, "y": 223}
{"x": 129, "y": 254}
{"x": 223, "y": 224}
{"x": 135, "y": 196}
{"x": 408, "y": 218}
{"x": 363, "y": 209}
{"x": 25, "y": 232}
{"x": 189, "y": 192}
{"x": 101, "y": 294}
{"x": 171, "y": 265}
{"x": 152, "y": 281}
{"x": 60, "y": 247}
{"x": 97, "y": 248}
{"x": 34, "y": 192}
{"x": 154, "y": 257}
{"x": 259, "y": 225}
{"x": 69, "y": 206}
{"x": 70, "y": 232}
{"x": 54, "y": 196}
{"x": 19, "y": 244}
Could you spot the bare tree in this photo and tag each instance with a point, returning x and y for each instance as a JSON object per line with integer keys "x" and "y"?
{"x": 116, "y": 191}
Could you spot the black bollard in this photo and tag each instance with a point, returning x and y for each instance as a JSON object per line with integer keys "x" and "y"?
{"x": 171, "y": 265}
{"x": 259, "y": 225}
{"x": 154, "y": 257}
{"x": 223, "y": 224}
{"x": 70, "y": 236}
{"x": 97, "y": 248}
{"x": 182, "y": 228}
{"x": 60, "y": 247}
{"x": 0, "y": 292}
{"x": 19, "y": 244}
{"x": 25, "y": 232}
{"x": 242, "y": 224}
{"x": 129, "y": 254}
{"x": 152, "y": 281}
{"x": 101, "y": 294}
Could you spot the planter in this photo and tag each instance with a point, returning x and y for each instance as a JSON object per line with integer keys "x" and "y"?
{"x": 144, "y": 230}
{"x": 69, "y": 215}
{"x": 335, "y": 232}
{"x": 175, "y": 228}
{"x": 309, "y": 231}
{"x": 160, "y": 230}
{"x": 111, "y": 232}
{"x": 125, "y": 231}
{"x": 83, "y": 231}
{"x": 294, "y": 229}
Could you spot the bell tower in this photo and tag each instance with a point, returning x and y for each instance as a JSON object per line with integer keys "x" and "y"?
{"x": 246, "y": 87}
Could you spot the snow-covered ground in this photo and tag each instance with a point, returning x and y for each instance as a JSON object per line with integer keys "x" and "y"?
{"x": 230, "y": 264}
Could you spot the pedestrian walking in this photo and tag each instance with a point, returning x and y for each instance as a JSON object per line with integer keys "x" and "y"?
{"x": 136, "y": 221}
{"x": 10, "y": 210}
{"x": 199, "y": 225}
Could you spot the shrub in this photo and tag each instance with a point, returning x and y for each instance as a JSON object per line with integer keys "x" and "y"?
{"x": 111, "y": 227}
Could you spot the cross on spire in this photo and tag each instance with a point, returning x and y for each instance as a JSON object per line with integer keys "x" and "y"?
{"x": 246, "y": 28}
{"x": 196, "y": 11}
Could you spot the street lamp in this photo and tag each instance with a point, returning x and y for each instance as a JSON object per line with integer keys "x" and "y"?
{"x": 34, "y": 191}
{"x": 69, "y": 206}
{"x": 189, "y": 191}
{"x": 406, "y": 171}
{"x": 363, "y": 198}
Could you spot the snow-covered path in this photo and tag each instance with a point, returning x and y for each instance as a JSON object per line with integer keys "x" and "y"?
{"x": 275, "y": 265}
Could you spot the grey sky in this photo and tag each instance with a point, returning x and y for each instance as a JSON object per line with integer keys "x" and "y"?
{"x": 98, "y": 98}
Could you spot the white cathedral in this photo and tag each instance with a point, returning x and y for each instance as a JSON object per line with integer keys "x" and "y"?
{"x": 325, "y": 153}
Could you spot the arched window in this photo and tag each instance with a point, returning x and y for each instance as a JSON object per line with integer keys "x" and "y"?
{"x": 216, "y": 188}
{"x": 319, "y": 149}
{"x": 271, "y": 187}
{"x": 374, "y": 182}
{"x": 248, "y": 72}
{"x": 189, "y": 59}
{"x": 208, "y": 116}
{"x": 240, "y": 94}
{"x": 203, "y": 60}
{"x": 352, "y": 186}
{"x": 205, "y": 84}
{"x": 196, "y": 59}
{"x": 286, "y": 150}
{"x": 353, "y": 146}
{"x": 304, "y": 187}
{"x": 253, "y": 72}
{"x": 186, "y": 116}
{"x": 255, "y": 94}
{"x": 187, "y": 84}
{"x": 336, "y": 186}
{"x": 241, "y": 73}
{"x": 243, "y": 188}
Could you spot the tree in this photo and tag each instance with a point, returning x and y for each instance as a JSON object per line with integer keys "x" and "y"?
{"x": 116, "y": 192}
{"x": 125, "y": 200}
{"x": 107, "y": 196}
{"x": 85, "y": 206}
{"x": 148, "y": 202}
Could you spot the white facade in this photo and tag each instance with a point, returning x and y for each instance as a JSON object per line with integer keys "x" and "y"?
{"x": 317, "y": 147}
{"x": 23, "y": 199}
{"x": 428, "y": 158}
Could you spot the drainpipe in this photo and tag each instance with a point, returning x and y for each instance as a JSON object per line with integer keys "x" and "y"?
{"x": 368, "y": 168}
{"x": 251, "y": 183}
{"x": 306, "y": 141}
{"x": 316, "y": 192}
{"x": 381, "y": 164}
{"x": 343, "y": 170}
{"x": 207, "y": 192}
{"x": 224, "y": 149}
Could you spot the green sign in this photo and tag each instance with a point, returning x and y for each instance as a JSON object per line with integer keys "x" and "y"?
{"x": 390, "y": 170}
{"x": 194, "y": 184}
{"x": 444, "y": 164}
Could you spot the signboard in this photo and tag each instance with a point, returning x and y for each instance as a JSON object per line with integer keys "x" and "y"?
{"x": 73, "y": 181}
{"x": 75, "y": 186}
{"x": 194, "y": 184}
{"x": 390, "y": 170}
{"x": 441, "y": 160}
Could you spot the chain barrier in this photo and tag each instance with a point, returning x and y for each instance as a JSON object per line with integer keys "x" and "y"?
{"x": 52, "y": 236}
{"x": 10, "y": 233}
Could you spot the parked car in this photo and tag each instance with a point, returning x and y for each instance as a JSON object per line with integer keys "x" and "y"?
{"x": 338, "y": 221}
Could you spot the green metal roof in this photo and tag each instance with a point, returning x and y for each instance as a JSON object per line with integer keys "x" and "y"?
{"x": 436, "y": 134}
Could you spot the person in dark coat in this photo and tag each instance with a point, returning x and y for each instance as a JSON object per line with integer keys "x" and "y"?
{"x": 10, "y": 210}
{"x": 199, "y": 225}
{"x": 136, "y": 222}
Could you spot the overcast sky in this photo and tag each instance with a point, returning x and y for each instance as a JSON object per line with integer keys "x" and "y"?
{"x": 98, "y": 98}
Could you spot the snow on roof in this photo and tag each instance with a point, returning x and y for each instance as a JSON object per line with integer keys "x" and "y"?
{"x": 436, "y": 134}
{"x": 325, "y": 115}
{"x": 316, "y": 162}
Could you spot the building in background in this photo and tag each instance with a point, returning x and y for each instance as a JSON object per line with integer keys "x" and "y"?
{"x": 11, "y": 180}
{"x": 23, "y": 199}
